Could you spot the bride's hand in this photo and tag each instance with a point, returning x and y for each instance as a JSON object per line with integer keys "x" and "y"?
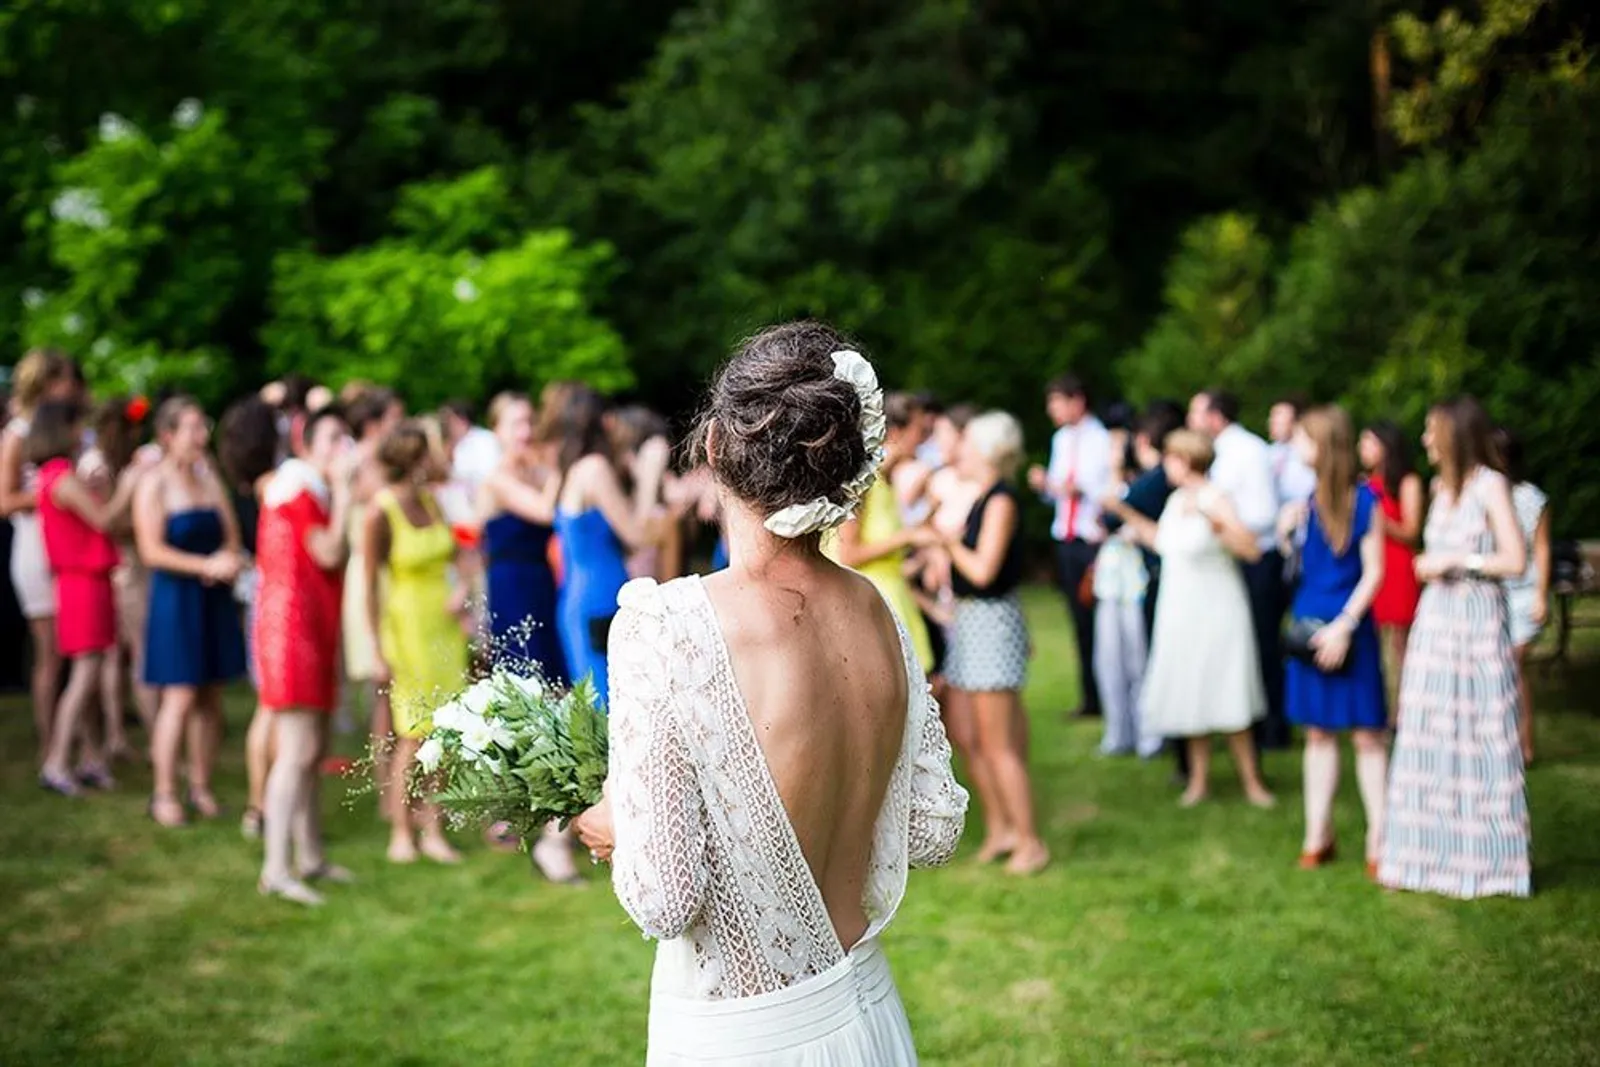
{"x": 593, "y": 828}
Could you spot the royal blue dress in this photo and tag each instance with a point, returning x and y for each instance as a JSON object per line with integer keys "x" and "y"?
{"x": 1352, "y": 698}
{"x": 719, "y": 555}
{"x": 522, "y": 597}
{"x": 594, "y": 569}
{"x": 192, "y": 633}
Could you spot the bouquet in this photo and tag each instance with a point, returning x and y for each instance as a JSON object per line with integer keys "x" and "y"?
{"x": 510, "y": 749}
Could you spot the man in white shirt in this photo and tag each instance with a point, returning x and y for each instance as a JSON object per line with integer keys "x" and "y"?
{"x": 474, "y": 452}
{"x": 1295, "y": 481}
{"x": 1078, "y": 478}
{"x": 1243, "y": 470}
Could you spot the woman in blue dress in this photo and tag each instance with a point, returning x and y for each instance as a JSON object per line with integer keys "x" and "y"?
{"x": 517, "y": 505}
{"x": 188, "y": 538}
{"x": 599, "y": 521}
{"x": 1340, "y": 688}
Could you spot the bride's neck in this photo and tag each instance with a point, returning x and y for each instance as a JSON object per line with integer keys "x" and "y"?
{"x": 757, "y": 551}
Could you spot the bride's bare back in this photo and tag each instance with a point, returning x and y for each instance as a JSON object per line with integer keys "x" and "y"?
{"x": 819, "y": 665}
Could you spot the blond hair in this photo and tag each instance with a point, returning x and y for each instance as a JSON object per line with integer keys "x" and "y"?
{"x": 997, "y": 437}
{"x": 1195, "y": 449}
{"x": 502, "y": 403}
{"x": 36, "y": 373}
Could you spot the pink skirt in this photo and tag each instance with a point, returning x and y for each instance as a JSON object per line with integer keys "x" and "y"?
{"x": 86, "y": 613}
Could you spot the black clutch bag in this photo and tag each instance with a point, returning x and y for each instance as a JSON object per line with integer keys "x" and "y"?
{"x": 1297, "y": 643}
{"x": 600, "y": 633}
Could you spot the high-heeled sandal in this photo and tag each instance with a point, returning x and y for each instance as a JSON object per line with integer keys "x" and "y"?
{"x": 172, "y": 822}
{"x": 296, "y": 892}
{"x": 59, "y": 783}
{"x": 204, "y": 804}
{"x": 251, "y": 824}
{"x": 97, "y": 776}
{"x": 331, "y": 873}
{"x": 1310, "y": 861}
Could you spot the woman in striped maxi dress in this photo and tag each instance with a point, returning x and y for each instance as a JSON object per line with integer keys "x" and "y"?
{"x": 1458, "y": 809}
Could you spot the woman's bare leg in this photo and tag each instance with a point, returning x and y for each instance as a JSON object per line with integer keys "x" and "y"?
{"x": 1321, "y": 783}
{"x": 290, "y": 780}
{"x": 402, "y": 831}
{"x": 44, "y": 681}
{"x": 258, "y": 758}
{"x": 68, "y": 722}
{"x": 177, "y": 704}
{"x": 1525, "y": 712}
{"x": 111, "y": 703}
{"x": 1372, "y": 777}
{"x": 205, "y": 740}
{"x": 383, "y": 745}
{"x": 1244, "y": 756}
{"x": 998, "y": 734}
{"x": 999, "y": 837}
{"x": 1199, "y": 787}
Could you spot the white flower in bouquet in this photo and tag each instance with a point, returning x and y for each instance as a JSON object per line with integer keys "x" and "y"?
{"x": 430, "y": 754}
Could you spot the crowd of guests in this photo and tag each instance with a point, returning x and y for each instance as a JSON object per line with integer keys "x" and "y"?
{"x": 1224, "y": 584}
{"x": 342, "y": 554}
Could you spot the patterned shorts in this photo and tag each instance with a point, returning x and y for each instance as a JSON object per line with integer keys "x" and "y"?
{"x": 988, "y": 646}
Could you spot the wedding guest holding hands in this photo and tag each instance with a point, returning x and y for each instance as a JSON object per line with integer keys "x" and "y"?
{"x": 73, "y": 522}
{"x": 1386, "y": 458}
{"x": 1202, "y": 678}
{"x": 301, "y": 556}
{"x": 43, "y": 375}
{"x": 989, "y": 644}
{"x": 1075, "y": 482}
{"x": 1457, "y": 807}
{"x": 1243, "y": 471}
{"x": 188, "y": 538}
{"x": 415, "y": 621}
{"x": 1335, "y": 670}
{"x": 1528, "y": 593}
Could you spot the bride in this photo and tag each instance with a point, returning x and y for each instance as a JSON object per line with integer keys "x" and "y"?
{"x": 776, "y": 761}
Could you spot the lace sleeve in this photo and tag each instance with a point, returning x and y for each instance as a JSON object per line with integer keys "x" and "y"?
{"x": 938, "y": 803}
{"x": 659, "y": 864}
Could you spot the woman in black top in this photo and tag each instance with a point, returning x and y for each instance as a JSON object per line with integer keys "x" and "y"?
{"x": 987, "y": 661}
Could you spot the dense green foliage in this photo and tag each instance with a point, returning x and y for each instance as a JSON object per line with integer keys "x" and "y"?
{"x": 1373, "y": 202}
{"x": 1160, "y": 936}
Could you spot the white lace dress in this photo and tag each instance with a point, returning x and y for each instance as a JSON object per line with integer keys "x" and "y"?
{"x": 749, "y": 969}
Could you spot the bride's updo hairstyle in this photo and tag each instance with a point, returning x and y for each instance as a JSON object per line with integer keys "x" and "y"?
{"x": 784, "y": 430}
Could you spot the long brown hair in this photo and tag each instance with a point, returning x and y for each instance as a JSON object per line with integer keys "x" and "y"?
{"x": 1329, "y": 429}
{"x": 1462, "y": 436}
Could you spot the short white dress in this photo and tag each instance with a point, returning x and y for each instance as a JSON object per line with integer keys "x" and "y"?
{"x": 1523, "y": 590}
{"x": 1203, "y": 676}
{"x": 749, "y": 969}
{"x": 30, "y": 568}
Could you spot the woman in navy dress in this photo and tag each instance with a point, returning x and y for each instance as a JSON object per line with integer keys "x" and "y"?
{"x": 1341, "y": 691}
{"x": 188, "y": 538}
{"x": 517, "y": 504}
{"x": 599, "y": 522}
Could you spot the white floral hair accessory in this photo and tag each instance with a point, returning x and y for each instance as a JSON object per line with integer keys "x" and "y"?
{"x": 798, "y": 520}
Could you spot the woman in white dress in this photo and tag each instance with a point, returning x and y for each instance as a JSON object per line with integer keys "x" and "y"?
{"x": 777, "y": 763}
{"x": 1202, "y": 678}
{"x": 43, "y": 375}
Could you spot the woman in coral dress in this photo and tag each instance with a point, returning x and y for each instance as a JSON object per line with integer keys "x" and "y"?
{"x": 73, "y": 522}
{"x": 300, "y": 553}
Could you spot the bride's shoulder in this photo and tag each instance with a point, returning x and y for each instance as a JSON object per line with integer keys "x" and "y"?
{"x": 650, "y": 597}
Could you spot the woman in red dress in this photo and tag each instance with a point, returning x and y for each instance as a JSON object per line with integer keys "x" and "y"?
{"x": 300, "y": 554}
{"x": 73, "y": 522}
{"x": 1387, "y": 461}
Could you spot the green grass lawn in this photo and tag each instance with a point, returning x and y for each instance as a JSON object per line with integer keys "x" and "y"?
{"x": 1159, "y": 935}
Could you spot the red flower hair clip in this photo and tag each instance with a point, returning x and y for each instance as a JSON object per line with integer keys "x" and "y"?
{"x": 137, "y": 409}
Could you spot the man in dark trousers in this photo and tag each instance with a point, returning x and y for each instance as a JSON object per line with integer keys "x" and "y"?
{"x": 1075, "y": 482}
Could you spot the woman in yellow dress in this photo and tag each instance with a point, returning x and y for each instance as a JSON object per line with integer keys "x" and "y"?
{"x": 415, "y": 623}
{"x": 875, "y": 543}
